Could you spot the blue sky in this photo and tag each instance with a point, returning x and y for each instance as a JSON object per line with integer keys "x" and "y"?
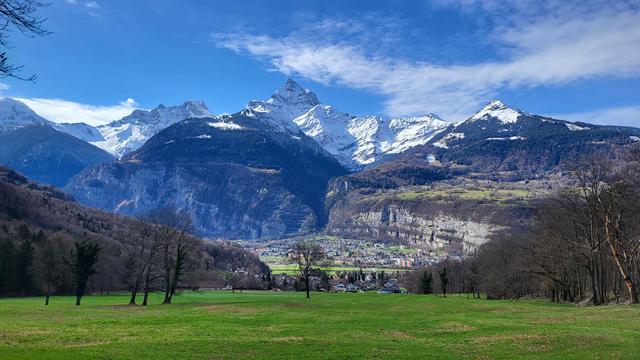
{"x": 578, "y": 60}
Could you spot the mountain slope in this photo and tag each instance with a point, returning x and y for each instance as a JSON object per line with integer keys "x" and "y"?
{"x": 239, "y": 176}
{"x": 44, "y": 154}
{"x": 82, "y": 131}
{"x": 129, "y": 133}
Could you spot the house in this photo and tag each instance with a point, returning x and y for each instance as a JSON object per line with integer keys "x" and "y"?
{"x": 390, "y": 288}
{"x": 340, "y": 288}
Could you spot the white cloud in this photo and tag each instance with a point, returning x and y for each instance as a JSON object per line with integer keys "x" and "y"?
{"x": 93, "y": 5}
{"x": 550, "y": 50}
{"x": 624, "y": 115}
{"x": 60, "y": 111}
{"x": 4, "y": 87}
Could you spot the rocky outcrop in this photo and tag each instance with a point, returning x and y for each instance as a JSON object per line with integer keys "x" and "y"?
{"x": 397, "y": 224}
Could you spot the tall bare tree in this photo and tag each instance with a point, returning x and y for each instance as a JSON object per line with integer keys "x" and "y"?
{"x": 141, "y": 248}
{"x": 309, "y": 256}
{"x": 175, "y": 244}
{"x": 49, "y": 265}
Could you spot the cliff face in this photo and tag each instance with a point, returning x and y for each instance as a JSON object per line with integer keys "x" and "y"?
{"x": 397, "y": 224}
{"x": 444, "y": 217}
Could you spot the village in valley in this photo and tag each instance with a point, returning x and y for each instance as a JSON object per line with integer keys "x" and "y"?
{"x": 353, "y": 265}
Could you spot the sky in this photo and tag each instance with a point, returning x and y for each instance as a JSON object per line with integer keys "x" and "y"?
{"x": 575, "y": 60}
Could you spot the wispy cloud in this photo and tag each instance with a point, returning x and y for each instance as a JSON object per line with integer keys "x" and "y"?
{"x": 624, "y": 115}
{"x": 91, "y": 7}
{"x": 546, "y": 50}
{"x": 60, "y": 111}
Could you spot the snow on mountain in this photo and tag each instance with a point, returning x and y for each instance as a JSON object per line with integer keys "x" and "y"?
{"x": 286, "y": 104}
{"x": 82, "y": 131}
{"x": 574, "y": 127}
{"x": 358, "y": 141}
{"x": 497, "y": 110}
{"x": 444, "y": 142}
{"x": 15, "y": 114}
{"x": 132, "y": 131}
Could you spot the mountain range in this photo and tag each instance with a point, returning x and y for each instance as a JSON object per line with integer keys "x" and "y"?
{"x": 293, "y": 165}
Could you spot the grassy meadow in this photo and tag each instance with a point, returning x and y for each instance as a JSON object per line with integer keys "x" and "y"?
{"x": 271, "y": 325}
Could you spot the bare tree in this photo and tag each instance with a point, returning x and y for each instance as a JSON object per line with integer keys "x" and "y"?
{"x": 49, "y": 265}
{"x": 308, "y": 256}
{"x": 20, "y": 15}
{"x": 175, "y": 246}
{"x": 141, "y": 248}
{"x": 606, "y": 198}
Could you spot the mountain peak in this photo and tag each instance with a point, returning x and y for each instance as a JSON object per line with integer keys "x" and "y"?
{"x": 11, "y": 105}
{"x": 498, "y": 110}
{"x": 15, "y": 114}
{"x": 292, "y": 93}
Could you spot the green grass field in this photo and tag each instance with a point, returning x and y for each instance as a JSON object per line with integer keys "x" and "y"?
{"x": 222, "y": 325}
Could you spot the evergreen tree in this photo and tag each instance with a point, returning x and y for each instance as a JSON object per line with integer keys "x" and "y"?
{"x": 444, "y": 280}
{"x": 425, "y": 283}
{"x": 7, "y": 267}
{"x": 83, "y": 260}
{"x": 24, "y": 268}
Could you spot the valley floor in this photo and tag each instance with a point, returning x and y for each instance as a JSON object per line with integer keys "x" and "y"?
{"x": 264, "y": 325}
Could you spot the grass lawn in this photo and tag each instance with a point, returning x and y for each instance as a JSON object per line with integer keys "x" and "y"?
{"x": 222, "y": 325}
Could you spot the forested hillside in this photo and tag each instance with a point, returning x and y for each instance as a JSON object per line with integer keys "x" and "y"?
{"x": 39, "y": 223}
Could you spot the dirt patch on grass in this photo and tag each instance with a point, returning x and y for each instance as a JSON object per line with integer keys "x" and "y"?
{"x": 400, "y": 335}
{"x": 551, "y": 320}
{"x": 455, "y": 327}
{"x": 288, "y": 339}
{"x": 6, "y": 340}
{"x": 296, "y": 305}
{"x": 87, "y": 344}
{"x": 509, "y": 337}
{"x": 531, "y": 342}
{"x": 230, "y": 309}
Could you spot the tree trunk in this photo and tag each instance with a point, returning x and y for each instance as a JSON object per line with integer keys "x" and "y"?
{"x": 616, "y": 256}
{"x": 46, "y": 299}
{"x": 134, "y": 293}
{"x": 145, "y": 298}
{"x": 306, "y": 284}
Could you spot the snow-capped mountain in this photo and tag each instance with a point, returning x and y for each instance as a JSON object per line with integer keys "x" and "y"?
{"x": 358, "y": 141}
{"x": 132, "y": 131}
{"x": 354, "y": 140}
{"x": 286, "y": 104}
{"x": 499, "y": 122}
{"x": 15, "y": 114}
{"x": 501, "y": 140}
{"x": 496, "y": 109}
